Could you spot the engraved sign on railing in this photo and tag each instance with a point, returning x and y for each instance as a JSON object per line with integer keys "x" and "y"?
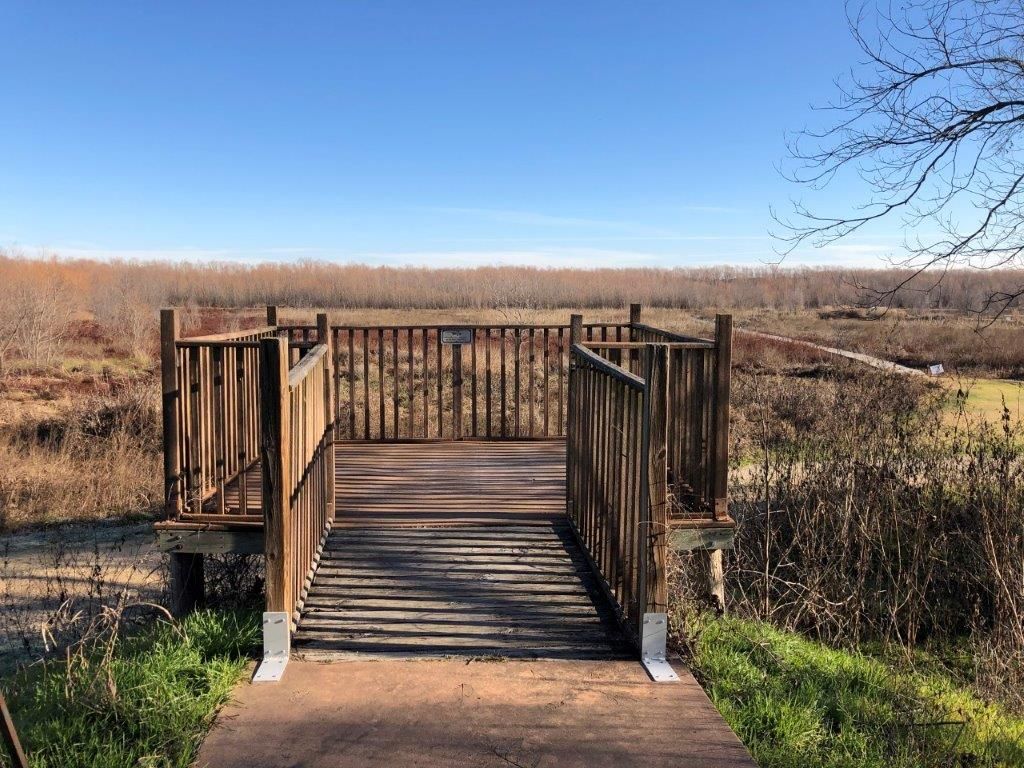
{"x": 456, "y": 335}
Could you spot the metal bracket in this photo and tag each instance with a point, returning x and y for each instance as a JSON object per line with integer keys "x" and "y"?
{"x": 653, "y": 639}
{"x": 277, "y": 636}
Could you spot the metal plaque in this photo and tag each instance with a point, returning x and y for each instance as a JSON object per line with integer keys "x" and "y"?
{"x": 456, "y": 335}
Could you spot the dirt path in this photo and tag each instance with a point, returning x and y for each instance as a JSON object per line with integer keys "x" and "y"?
{"x": 87, "y": 564}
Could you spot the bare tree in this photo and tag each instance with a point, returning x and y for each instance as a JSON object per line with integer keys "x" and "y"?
{"x": 932, "y": 123}
{"x": 35, "y": 316}
{"x": 123, "y": 308}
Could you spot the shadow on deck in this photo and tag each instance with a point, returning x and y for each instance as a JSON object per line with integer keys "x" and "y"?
{"x": 454, "y": 549}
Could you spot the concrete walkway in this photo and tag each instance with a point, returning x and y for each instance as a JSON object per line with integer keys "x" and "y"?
{"x": 456, "y": 713}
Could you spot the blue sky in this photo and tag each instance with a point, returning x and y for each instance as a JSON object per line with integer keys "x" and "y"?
{"x": 418, "y": 132}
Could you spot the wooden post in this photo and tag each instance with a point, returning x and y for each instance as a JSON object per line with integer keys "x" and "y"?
{"x": 323, "y": 330}
{"x": 575, "y": 329}
{"x": 654, "y": 520}
{"x": 720, "y": 478}
{"x": 170, "y": 329}
{"x": 271, "y": 315}
{"x": 187, "y": 583}
{"x": 275, "y": 428}
{"x": 456, "y": 391}
{"x": 10, "y": 733}
{"x": 723, "y": 369}
{"x": 571, "y": 427}
{"x": 716, "y": 578}
{"x": 634, "y": 319}
{"x": 634, "y": 335}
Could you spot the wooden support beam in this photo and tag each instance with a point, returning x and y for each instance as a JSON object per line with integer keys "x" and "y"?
{"x": 720, "y": 479}
{"x": 275, "y": 417}
{"x": 170, "y": 330}
{"x": 655, "y": 516}
{"x": 575, "y": 329}
{"x": 271, "y": 314}
{"x": 634, "y": 319}
{"x": 723, "y": 372}
{"x": 571, "y": 425}
{"x": 210, "y": 542}
{"x": 457, "y": 391}
{"x": 187, "y": 584}
{"x": 716, "y": 578}
{"x": 688, "y": 539}
{"x": 323, "y": 329}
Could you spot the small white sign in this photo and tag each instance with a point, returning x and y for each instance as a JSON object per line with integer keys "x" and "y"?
{"x": 936, "y": 370}
{"x": 456, "y": 335}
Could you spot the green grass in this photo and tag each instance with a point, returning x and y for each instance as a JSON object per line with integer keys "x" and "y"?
{"x": 985, "y": 397}
{"x": 150, "y": 705}
{"x": 795, "y": 702}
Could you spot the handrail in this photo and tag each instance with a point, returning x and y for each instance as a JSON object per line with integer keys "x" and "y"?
{"x": 297, "y": 373}
{"x": 616, "y": 479}
{"x": 265, "y": 330}
{"x": 642, "y": 344}
{"x": 607, "y": 367}
{"x": 413, "y": 382}
{"x": 468, "y": 326}
{"x": 211, "y": 422}
{"x": 698, "y": 412}
{"x": 650, "y": 333}
{"x": 297, "y": 455}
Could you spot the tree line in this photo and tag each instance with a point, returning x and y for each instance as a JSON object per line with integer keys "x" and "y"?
{"x": 121, "y": 291}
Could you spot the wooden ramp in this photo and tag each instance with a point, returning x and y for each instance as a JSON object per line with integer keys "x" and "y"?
{"x": 454, "y": 549}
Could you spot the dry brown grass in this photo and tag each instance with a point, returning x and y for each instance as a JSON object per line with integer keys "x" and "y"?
{"x": 964, "y": 344}
{"x": 98, "y": 459}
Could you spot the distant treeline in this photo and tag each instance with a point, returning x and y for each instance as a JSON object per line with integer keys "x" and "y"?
{"x": 321, "y": 284}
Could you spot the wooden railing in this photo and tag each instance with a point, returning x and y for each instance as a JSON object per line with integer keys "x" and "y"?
{"x": 297, "y": 456}
{"x": 211, "y": 416}
{"x": 453, "y": 382}
{"x": 698, "y": 382}
{"x": 616, "y": 477}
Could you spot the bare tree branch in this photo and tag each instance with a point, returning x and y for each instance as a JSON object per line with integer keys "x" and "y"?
{"x": 930, "y": 126}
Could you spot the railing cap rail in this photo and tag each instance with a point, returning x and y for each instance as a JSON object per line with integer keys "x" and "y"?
{"x": 471, "y": 326}
{"x": 679, "y": 337}
{"x": 230, "y": 335}
{"x": 596, "y": 344}
{"x": 299, "y": 372}
{"x": 607, "y": 367}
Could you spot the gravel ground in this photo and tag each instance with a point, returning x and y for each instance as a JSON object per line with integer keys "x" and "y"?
{"x": 80, "y": 567}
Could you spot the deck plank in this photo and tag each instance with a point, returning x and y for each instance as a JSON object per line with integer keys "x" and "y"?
{"x": 454, "y": 549}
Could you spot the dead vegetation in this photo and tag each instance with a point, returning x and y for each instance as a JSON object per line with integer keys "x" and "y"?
{"x": 97, "y": 459}
{"x": 866, "y": 515}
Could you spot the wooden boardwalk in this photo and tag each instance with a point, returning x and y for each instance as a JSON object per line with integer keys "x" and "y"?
{"x": 379, "y": 550}
{"x": 451, "y": 483}
{"x": 454, "y": 549}
{"x": 447, "y": 483}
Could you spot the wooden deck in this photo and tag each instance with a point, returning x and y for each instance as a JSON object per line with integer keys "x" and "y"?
{"x": 454, "y": 549}
{"x": 470, "y": 482}
{"x": 453, "y": 483}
